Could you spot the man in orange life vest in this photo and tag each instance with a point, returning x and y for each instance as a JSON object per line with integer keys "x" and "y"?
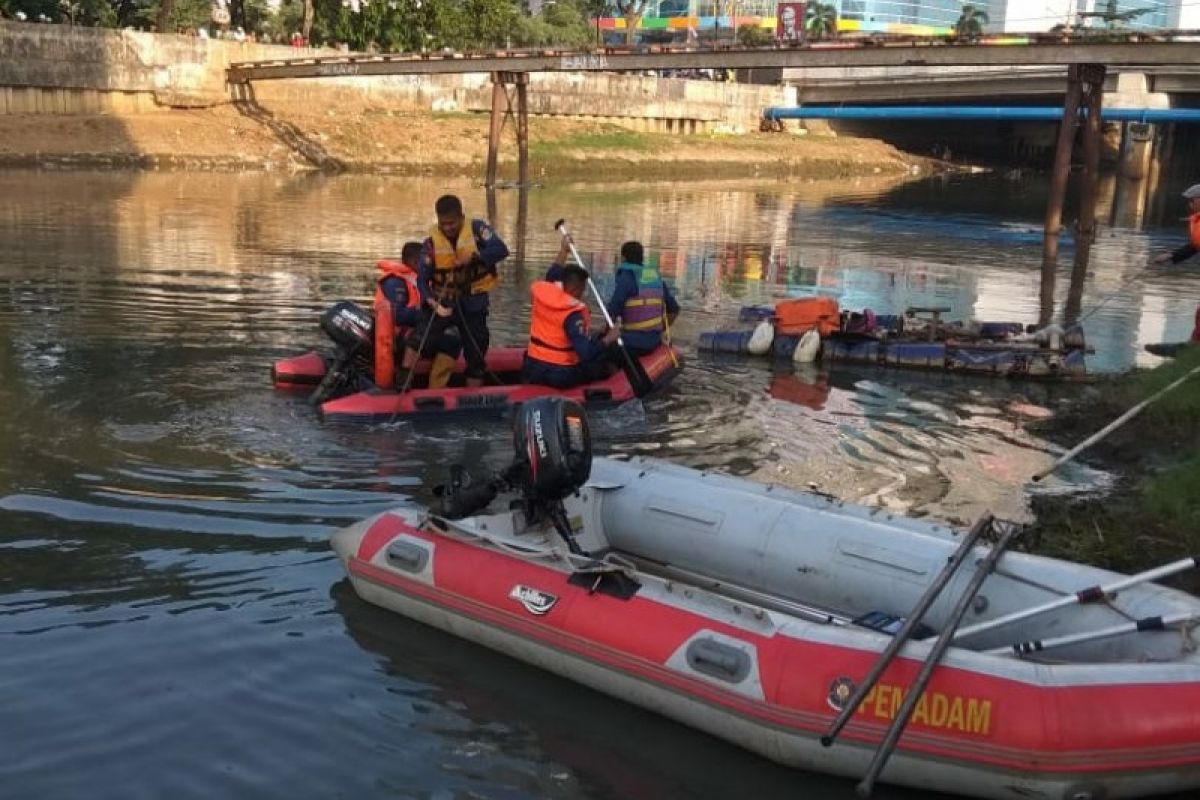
{"x": 1191, "y": 247}
{"x": 398, "y": 284}
{"x": 561, "y": 352}
{"x": 457, "y": 271}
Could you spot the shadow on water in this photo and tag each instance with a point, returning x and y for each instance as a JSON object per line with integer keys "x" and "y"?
{"x": 549, "y": 737}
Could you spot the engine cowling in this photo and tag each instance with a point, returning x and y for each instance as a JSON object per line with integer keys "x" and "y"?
{"x": 553, "y": 448}
{"x": 350, "y": 326}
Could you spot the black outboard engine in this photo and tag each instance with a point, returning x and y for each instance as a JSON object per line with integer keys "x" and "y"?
{"x": 351, "y": 327}
{"x": 352, "y": 330}
{"x": 553, "y": 460}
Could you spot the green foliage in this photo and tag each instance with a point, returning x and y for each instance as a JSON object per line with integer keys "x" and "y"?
{"x": 970, "y": 22}
{"x": 565, "y": 23}
{"x": 607, "y": 142}
{"x": 754, "y": 36}
{"x": 1173, "y": 496}
{"x": 821, "y": 20}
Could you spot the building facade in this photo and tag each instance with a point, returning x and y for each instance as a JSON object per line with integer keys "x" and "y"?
{"x": 679, "y": 20}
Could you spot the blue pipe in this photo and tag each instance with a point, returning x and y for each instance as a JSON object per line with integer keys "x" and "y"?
{"x": 1025, "y": 113}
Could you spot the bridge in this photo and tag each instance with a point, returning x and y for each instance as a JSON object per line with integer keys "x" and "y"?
{"x": 1178, "y": 51}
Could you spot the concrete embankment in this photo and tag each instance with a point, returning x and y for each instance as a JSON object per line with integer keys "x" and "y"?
{"x": 88, "y": 97}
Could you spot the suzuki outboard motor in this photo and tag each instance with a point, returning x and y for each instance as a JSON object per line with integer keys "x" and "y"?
{"x": 350, "y": 327}
{"x": 553, "y": 448}
{"x": 352, "y": 330}
{"x": 553, "y": 460}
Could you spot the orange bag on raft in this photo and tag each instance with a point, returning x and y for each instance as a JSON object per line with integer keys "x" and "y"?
{"x": 796, "y": 317}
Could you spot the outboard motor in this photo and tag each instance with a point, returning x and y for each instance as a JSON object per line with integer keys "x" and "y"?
{"x": 553, "y": 448}
{"x": 351, "y": 327}
{"x": 553, "y": 460}
{"x": 352, "y": 330}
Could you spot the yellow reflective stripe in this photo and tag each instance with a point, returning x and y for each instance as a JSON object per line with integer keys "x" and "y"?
{"x": 646, "y": 301}
{"x": 643, "y": 326}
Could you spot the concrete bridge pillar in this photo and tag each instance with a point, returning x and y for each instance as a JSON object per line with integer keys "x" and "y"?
{"x": 1137, "y": 139}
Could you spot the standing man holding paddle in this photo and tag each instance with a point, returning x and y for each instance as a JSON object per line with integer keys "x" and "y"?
{"x": 456, "y": 274}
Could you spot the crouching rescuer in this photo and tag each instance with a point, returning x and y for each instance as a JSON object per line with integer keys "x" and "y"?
{"x": 398, "y": 310}
{"x": 561, "y": 351}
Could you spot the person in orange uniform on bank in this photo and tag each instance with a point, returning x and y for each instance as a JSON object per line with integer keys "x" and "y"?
{"x": 398, "y": 284}
{"x": 1192, "y": 195}
{"x": 1191, "y": 247}
{"x": 561, "y": 351}
{"x": 457, "y": 271}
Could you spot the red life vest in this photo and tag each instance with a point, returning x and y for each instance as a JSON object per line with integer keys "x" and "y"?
{"x": 1194, "y": 230}
{"x": 385, "y": 324}
{"x": 548, "y": 340}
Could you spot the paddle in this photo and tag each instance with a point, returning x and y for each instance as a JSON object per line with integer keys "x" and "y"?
{"x": 1092, "y": 594}
{"x": 639, "y": 381}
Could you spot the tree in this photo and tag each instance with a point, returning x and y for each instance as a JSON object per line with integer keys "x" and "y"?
{"x": 970, "y": 22}
{"x": 632, "y": 11}
{"x": 753, "y": 36}
{"x": 822, "y": 20}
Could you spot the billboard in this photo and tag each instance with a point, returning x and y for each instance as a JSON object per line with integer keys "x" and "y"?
{"x": 789, "y": 22}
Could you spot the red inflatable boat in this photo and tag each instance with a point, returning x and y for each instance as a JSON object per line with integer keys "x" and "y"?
{"x": 304, "y": 373}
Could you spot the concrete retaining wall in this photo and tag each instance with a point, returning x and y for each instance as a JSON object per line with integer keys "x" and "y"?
{"x": 59, "y": 69}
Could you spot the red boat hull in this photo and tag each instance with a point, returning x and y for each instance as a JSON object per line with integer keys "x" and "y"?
{"x": 303, "y": 373}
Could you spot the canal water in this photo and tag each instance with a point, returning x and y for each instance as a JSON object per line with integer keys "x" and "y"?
{"x": 172, "y": 622}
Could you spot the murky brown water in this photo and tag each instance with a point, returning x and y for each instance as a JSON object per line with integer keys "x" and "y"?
{"x": 172, "y": 622}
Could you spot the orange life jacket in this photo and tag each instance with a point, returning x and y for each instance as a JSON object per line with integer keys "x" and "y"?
{"x": 1194, "y": 230}
{"x": 548, "y": 340}
{"x": 385, "y": 323}
{"x": 397, "y": 269}
{"x": 797, "y": 317}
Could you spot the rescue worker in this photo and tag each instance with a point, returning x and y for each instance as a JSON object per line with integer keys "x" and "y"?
{"x": 1192, "y": 246}
{"x": 398, "y": 284}
{"x": 561, "y": 352}
{"x": 456, "y": 274}
{"x": 642, "y": 301}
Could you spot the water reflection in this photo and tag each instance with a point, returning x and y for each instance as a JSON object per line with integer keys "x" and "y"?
{"x": 164, "y": 515}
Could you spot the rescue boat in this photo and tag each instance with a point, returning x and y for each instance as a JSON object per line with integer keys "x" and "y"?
{"x": 755, "y": 613}
{"x": 359, "y": 399}
{"x": 997, "y": 349}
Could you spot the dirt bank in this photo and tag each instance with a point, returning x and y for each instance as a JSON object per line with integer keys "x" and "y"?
{"x": 372, "y": 139}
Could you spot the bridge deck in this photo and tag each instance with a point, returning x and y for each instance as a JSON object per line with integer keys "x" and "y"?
{"x": 1179, "y": 51}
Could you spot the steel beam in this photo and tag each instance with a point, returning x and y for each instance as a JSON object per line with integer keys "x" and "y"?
{"x": 935, "y": 52}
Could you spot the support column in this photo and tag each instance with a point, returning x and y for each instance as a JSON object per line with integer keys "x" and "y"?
{"x": 1058, "y": 191}
{"x": 1092, "y": 76}
{"x": 502, "y": 110}
{"x": 499, "y": 102}
{"x": 523, "y": 129}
